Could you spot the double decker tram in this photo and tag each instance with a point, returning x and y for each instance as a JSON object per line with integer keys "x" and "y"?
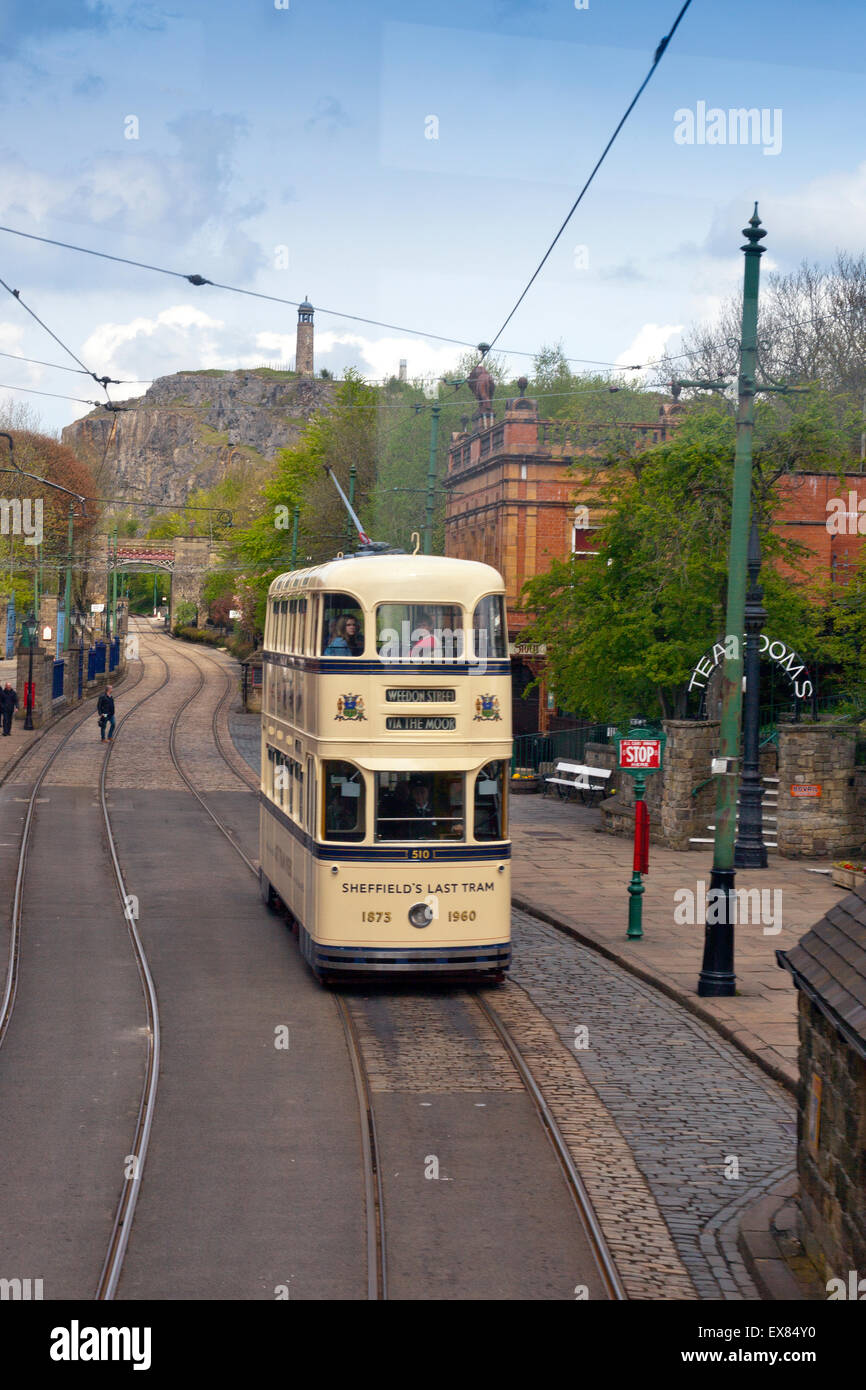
{"x": 386, "y": 743}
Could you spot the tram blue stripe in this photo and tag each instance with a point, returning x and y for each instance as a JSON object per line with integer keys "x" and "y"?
{"x": 336, "y": 667}
{"x": 387, "y": 854}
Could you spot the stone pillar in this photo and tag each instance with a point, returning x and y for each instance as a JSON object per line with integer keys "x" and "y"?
{"x": 818, "y": 755}
{"x": 677, "y": 810}
{"x": 687, "y": 798}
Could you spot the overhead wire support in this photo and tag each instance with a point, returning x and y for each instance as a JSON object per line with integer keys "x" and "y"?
{"x": 657, "y": 57}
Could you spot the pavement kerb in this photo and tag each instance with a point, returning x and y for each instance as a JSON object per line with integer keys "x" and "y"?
{"x": 49, "y": 724}
{"x": 688, "y": 1001}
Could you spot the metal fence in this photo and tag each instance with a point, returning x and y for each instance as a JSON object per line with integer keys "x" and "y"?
{"x": 114, "y": 653}
{"x": 530, "y": 750}
{"x": 57, "y": 681}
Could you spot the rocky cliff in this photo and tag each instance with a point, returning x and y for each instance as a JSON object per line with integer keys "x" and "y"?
{"x": 188, "y": 430}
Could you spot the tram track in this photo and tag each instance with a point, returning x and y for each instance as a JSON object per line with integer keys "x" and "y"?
{"x": 376, "y": 1232}
{"x": 124, "y": 1214}
{"x": 11, "y": 982}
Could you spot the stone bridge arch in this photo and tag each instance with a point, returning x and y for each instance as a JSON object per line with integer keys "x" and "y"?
{"x": 187, "y": 559}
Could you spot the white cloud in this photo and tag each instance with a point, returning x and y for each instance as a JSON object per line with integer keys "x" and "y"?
{"x": 648, "y": 344}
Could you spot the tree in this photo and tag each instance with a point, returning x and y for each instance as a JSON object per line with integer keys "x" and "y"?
{"x": 345, "y": 436}
{"x": 624, "y": 629}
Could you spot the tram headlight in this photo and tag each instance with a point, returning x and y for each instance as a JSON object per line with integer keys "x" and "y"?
{"x": 420, "y": 914}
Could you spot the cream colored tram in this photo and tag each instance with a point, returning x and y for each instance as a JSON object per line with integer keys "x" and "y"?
{"x": 386, "y": 742}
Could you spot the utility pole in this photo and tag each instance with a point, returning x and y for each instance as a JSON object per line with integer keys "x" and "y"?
{"x": 750, "y": 852}
{"x": 67, "y": 597}
{"x": 717, "y": 976}
{"x": 431, "y": 478}
{"x": 113, "y": 613}
{"x": 295, "y": 518}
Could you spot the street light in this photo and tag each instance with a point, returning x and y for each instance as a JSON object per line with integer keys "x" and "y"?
{"x": 28, "y": 630}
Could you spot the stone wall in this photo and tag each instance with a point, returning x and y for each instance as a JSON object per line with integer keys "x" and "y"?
{"x": 675, "y": 813}
{"x": 833, "y": 1179}
{"x": 826, "y": 825}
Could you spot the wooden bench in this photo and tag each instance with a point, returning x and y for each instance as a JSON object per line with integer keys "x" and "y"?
{"x": 568, "y": 777}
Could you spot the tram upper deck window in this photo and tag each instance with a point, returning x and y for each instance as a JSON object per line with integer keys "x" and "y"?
{"x": 419, "y": 631}
{"x": 488, "y": 627}
{"x": 342, "y": 626}
{"x": 411, "y": 806}
{"x": 489, "y": 815}
{"x": 345, "y": 801}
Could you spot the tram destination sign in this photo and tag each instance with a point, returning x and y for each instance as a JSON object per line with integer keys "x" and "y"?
{"x": 420, "y": 723}
{"x": 413, "y": 695}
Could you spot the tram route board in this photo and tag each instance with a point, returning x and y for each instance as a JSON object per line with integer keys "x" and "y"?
{"x": 400, "y": 694}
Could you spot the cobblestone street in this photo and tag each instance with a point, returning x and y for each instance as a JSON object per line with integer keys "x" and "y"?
{"x": 687, "y": 1103}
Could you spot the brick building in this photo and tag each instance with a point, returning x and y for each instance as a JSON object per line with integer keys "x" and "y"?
{"x": 517, "y": 501}
{"x": 512, "y": 504}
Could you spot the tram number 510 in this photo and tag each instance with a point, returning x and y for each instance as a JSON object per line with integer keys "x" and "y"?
{"x": 419, "y": 854}
{"x": 640, "y": 752}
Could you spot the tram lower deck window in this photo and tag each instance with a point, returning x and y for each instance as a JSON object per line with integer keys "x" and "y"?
{"x": 345, "y": 801}
{"x": 415, "y": 806}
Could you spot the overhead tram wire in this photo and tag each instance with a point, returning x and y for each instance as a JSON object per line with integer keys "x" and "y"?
{"x": 632, "y": 104}
{"x": 79, "y": 371}
{"x": 201, "y": 280}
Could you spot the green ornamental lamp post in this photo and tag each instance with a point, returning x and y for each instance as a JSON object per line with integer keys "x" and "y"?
{"x": 717, "y": 977}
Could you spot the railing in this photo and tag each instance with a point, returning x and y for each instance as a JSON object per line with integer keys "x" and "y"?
{"x": 114, "y": 653}
{"x": 530, "y": 750}
{"x": 99, "y": 659}
{"x": 57, "y": 681}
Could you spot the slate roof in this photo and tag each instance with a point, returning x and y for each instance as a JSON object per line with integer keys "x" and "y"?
{"x": 829, "y": 965}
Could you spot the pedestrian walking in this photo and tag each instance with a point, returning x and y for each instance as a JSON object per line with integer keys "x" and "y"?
{"x": 8, "y": 706}
{"x": 105, "y": 710}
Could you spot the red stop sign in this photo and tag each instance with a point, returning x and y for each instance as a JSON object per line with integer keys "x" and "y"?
{"x": 637, "y": 754}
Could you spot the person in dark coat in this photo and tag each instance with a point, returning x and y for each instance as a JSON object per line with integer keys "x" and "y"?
{"x": 8, "y": 706}
{"x": 105, "y": 710}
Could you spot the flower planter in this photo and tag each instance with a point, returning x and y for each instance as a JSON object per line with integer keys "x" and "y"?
{"x": 521, "y": 786}
{"x": 848, "y": 877}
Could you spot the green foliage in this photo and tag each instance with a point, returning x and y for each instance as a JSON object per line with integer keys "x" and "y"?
{"x": 204, "y": 635}
{"x": 624, "y": 631}
{"x": 184, "y": 614}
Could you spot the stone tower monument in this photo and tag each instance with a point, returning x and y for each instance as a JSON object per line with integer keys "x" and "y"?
{"x": 304, "y": 344}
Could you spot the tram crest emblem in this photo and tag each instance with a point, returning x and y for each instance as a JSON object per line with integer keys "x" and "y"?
{"x": 350, "y": 707}
{"x": 487, "y": 707}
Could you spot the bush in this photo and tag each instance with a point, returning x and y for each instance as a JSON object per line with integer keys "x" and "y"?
{"x": 198, "y": 634}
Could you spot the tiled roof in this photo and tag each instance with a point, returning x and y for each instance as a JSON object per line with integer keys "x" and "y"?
{"x": 829, "y": 964}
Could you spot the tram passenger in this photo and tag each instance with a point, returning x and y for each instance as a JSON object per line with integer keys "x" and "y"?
{"x": 344, "y": 640}
{"x": 354, "y": 636}
{"x": 424, "y": 643}
{"x": 337, "y": 644}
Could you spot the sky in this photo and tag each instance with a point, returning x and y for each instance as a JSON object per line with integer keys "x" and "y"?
{"x": 410, "y": 164}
